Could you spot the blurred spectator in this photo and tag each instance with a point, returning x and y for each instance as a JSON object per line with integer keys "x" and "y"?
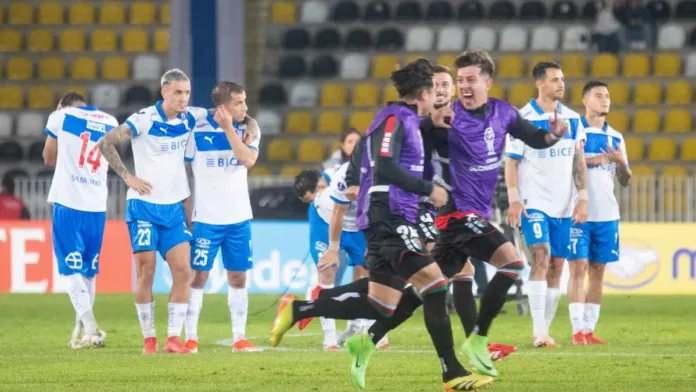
{"x": 639, "y": 24}
{"x": 11, "y": 207}
{"x": 607, "y": 31}
{"x": 348, "y": 139}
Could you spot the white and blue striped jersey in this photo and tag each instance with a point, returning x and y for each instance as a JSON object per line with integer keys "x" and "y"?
{"x": 335, "y": 194}
{"x": 545, "y": 176}
{"x": 79, "y": 181}
{"x": 221, "y": 189}
{"x": 159, "y": 145}
{"x": 603, "y": 206}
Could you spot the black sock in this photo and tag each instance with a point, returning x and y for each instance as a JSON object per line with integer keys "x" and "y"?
{"x": 440, "y": 329}
{"x": 410, "y": 301}
{"x": 354, "y": 307}
{"x": 359, "y": 286}
{"x": 464, "y": 303}
{"x": 496, "y": 294}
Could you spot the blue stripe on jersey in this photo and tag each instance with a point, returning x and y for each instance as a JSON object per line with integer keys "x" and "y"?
{"x": 158, "y": 106}
{"x": 133, "y": 128}
{"x": 596, "y": 142}
{"x": 327, "y": 178}
{"x": 573, "y": 131}
{"x": 585, "y": 124}
{"x": 49, "y": 133}
{"x": 538, "y": 109}
{"x": 514, "y": 156}
{"x": 78, "y": 126}
{"x": 88, "y": 108}
{"x": 211, "y": 119}
{"x": 212, "y": 141}
{"x": 335, "y": 200}
{"x": 160, "y": 129}
{"x": 253, "y": 148}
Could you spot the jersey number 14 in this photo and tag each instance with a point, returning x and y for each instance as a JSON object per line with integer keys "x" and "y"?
{"x": 93, "y": 158}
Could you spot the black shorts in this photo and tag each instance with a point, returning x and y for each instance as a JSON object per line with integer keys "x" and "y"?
{"x": 464, "y": 235}
{"x": 427, "y": 230}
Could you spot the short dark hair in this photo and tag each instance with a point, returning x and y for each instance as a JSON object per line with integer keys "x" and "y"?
{"x": 413, "y": 78}
{"x": 71, "y": 97}
{"x": 479, "y": 58}
{"x": 8, "y": 182}
{"x": 348, "y": 132}
{"x": 592, "y": 84}
{"x": 539, "y": 70}
{"x": 306, "y": 181}
{"x": 222, "y": 92}
{"x": 441, "y": 69}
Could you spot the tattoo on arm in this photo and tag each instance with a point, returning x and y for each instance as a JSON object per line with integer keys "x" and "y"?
{"x": 107, "y": 146}
{"x": 580, "y": 170}
{"x": 623, "y": 174}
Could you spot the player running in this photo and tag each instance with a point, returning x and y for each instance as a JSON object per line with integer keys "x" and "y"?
{"x": 597, "y": 240}
{"x": 222, "y": 148}
{"x": 541, "y": 183}
{"x": 154, "y": 208}
{"x": 78, "y": 194}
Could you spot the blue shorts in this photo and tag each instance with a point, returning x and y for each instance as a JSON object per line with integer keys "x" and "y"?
{"x": 77, "y": 240}
{"x": 352, "y": 242}
{"x": 156, "y": 227}
{"x": 539, "y": 228}
{"x": 597, "y": 242}
{"x": 234, "y": 240}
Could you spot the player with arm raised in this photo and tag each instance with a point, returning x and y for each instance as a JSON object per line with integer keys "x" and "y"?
{"x": 540, "y": 185}
{"x": 154, "y": 207}
{"x": 78, "y": 194}
{"x": 222, "y": 214}
{"x": 595, "y": 243}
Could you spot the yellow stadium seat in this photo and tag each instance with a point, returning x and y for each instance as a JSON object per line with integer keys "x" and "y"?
{"x": 11, "y": 97}
{"x": 647, "y": 94}
{"x": 72, "y": 40}
{"x": 335, "y": 146}
{"x": 674, "y": 171}
{"x": 103, "y": 40}
{"x": 510, "y": 66}
{"x": 10, "y": 40}
{"x": 83, "y": 68}
{"x": 497, "y": 91}
{"x": 539, "y": 58}
{"x": 164, "y": 14}
{"x": 284, "y": 12}
{"x": 520, "y": 93}
{"x": 76, "y": 89}
{"x": 390, "y": 94}
{"x": 383, "y": 66}
{"x": 257, "y": 170}
{"x": 298, "y": 122}
{"x": 40, "y": 41}
{"x": 662, "y": 149}
{"x": 52, "y": 68}
{"x": 576, "y": 93}
{"x": 161, "y": 40}
{"x": 2, "y": 15}
{"x": 142, "y": 13}
{"x": 135, "y": 40}
{"x": 413, "y": 57}
{"x": 19, "y": 68}
{"x": 50, "y": 13}
{"x": 364, "y": 94}
{"x": 333, "y": 95}
{"x": 635, "y": 149}
{"x": 311, "y": 151}
{"x": 115, "y": 68}
{"x": 605, "y": 66}
{"x": 280, "y": 150}
{"x": 330, "y": 122}
{"x": 643, "y": 170}
{"x": 574, "y": 65}
{"x": 41, "y": 97}
{"x": 678, "y": 120}
{"x": 81, "y": 13}
{"x": 646, "y": 121}
{"x": 667, "y": 64}
{"x": 679, "y": 93}
{"x": 20, "y": 13}
{"x": 360, "y": 120}
{"x": 618, "y": 91}
{"x": 636, "y": 66}
{"x": 112, "y": 13}
{"x": 447, "y": 60}
{"x": 290, "y": 171}
{"x": 688, "y": 150}
{"x": 618, "y": 120}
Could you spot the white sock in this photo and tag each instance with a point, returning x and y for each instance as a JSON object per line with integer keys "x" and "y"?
{"x": 553, "y": 297}
{"x": 238, "y": 303}
{"x": 537, "y": 306}
{"x": 177, "y": 316}
{"x": 328, "y": 325}
{"x": 79, "y": 296}
{"x": 91, "y": 289}
{"x": 146, "y": 316}
{"x": 576, "y": 311}
{"x": 365, "y": 325}
{"x": 591, "y": 317}
{"x": 193, "y": 313}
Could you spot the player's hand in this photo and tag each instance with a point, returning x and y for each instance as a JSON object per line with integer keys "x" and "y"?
{"x": 328, "y": 260}
{"x": 252, "y": 130}
{"x": 580, "y": 212}
{"x": 558, "y": 126}
{"x": 515, "y": 214}
{"x": 223, "y": 117}
{"x": 351, "y": 193}
{"x": 614, "y": 155}
{"x": 141, "y": 186}
{"x": 441, "y": 115}
{"x": 439, "y": 196}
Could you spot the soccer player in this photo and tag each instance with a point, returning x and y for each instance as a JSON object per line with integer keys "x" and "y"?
{"x": 220, "y": 159}
{"x": 597, "y": 240}
{"x": 390, "y": 185}
{"x": 78, "y": 194}
{"x": 540, "y": 188}
{"x": 154, "y": 207}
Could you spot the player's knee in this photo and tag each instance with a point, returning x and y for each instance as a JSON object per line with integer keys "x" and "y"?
{"x": 327, "y": 276}
{"x": 541, "y": 254}
{"x": 468, "y": 269}
{"x": 199, "y": 279}
{"x": 410, "y": 301}
{"x": 180, "y": 272}
{"x": 595, "y": 271}
{"x": 237, "y": 279}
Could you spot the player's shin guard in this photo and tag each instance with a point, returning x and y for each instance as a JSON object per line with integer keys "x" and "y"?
{"x": 328, "y": 325}
{"x": 553, "y": 297}
{"x": 537, "y": 306}
{"x": 79, "y": 296}
{"x": 238, "y": 303}
{"x": 359, "y": 286}
{"x": 410, "y": 301}
{"x": 91, "y": 289}
{"x": 193, "y": 313}
{"x": 464, "y": 301}
{"x": 496, "y": 294}
{"x": 146, "y": 316}
{"x": 345, "y": 307}
{"x": 177, "y": 316}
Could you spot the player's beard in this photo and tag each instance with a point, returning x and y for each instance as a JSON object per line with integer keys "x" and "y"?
{"x": 603, "y": 114}
{"x": 440, "y": 105}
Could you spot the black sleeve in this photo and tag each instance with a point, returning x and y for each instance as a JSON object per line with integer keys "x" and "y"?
{"x": 436, "y": 137}
{"x": 529, "y": 133}
{"x": 353, "y": 171}
{"x": 25, "y": 213}
{"x": 386, "y": 147}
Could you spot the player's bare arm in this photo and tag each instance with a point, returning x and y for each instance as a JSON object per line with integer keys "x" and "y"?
{"x": 50, "y": 151}
{"x": 330, "y": 257}
{"x": 252, "y": 130}
{"x": 242, "y": 152}
{"x": 536, "y": 137}
{"x": 188, "y": 202}
{"x": 623, "y": 173}
{"x": 516, "y": 208}
{"x": 107, "y": 146}
{"x": 580, "y": 180}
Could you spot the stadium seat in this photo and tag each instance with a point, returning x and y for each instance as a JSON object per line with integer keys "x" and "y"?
{"x": 81, "y": 13}
{"x": 280, "y": 150}
{"x": 576, "y": 38}
{"x": 106, "y": 96}
{"x": 258, "y": 170}
{"x": 40, "y": 41}
{"x": 269, "y": 121}
{"x": 496, "y": 91}
{"x": 11, "y": 151}
{"x": 451, "y": 39}
{"x": 440, "y": 11}
{"x": 283, "y": 12}
{"x": 360, "y": 120}
{"x": 574, "y": 65}
{"x": 376, "y": 11}
{"x": 6, "y": 125}
{"x": 389, "y": 39}
{"x": 50, "y": 13}
{"x": 311, "y": 151}
{"x": 660, "y": 10}
{"x": 646, "y": 121}
{"x": 671, "y": 36}
{"x": 160, "y": 41}
{"x": 292, "y": 66}
{"x": 520, "y": 93}
{"x": 77, "y": 89}
{"x": 688, "y": 150}
{"x": 324, "y": 66}
{"x": 147, "y": 67}
{"x": 545, "y": 38}
{"x": 327, "y": 38}
{"x": 314, "y": 12}
{"x": 298, "y": 123}
{"x": 103, "y": 40}
{"x": 11, "y": 97}
{"x": 678, "y": 93}
{"x": 538, "y": 58}
{"x": 636, "y": 66}
{"x": 142, "y": 13}
{"x": 165, "y": 14}
{"x": 513, "y": 39}
{"x": 112, "y": 13}
{"x": 272, "y": 94}
{"x": 667, "y": 64}
{"x": 470, "y": 10}
{"x": 135, "y": 40}
{"x": 448, "y": 61}
{"x": 138, "y": 96}
{"x": 618, "y": 119}
{"x": 72, "y": 40}
{"x": 345, "y": 11}
{"x": 30, "y": 125}
{"x": 114, "y": 68}
{"x": 689, "y": 68}
{"x": 41, "y": 97}
{"x": 605, "y": 66}
{"x": 36, "y": 152}
{"x": 364, "y": 94}
{"x": 10, "y": 41}
{"x": 576, "y": 93}
{"x": 383, "y": 66}
{"x": 686, "y": 9}
{"x": 389, "y": 94}
{"x": 502, "y": 10}
{"x": 357, "y": 39}
{"x": 19, "y": 68}
{"x": 408, "y": 11}
{"x": 355, "y": 66}
{"x": 20, "y": 13}
{"x": 678, "y": 120}
{"x": 533, "y": 10}
{"x": 420, "y": 39}
{"x": 83, "y": 68}
{"x": 296, "y": 39}
{"x": 619, "y": 93}
{"x": 564, "y": 10}
{"x": 482, "y": 37}
{"x": 647, "y": 93}
{"x": 642, "y": 170}
{"x": 330, "y": 123}
{"x": 662, "y": 149}
{"x": 510, "y": 66}
{"x": 51, "y": 68}
{"x": 635, "y": 150}
{"x": 303, "y": 95}
{"x": 290, "y": 171}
